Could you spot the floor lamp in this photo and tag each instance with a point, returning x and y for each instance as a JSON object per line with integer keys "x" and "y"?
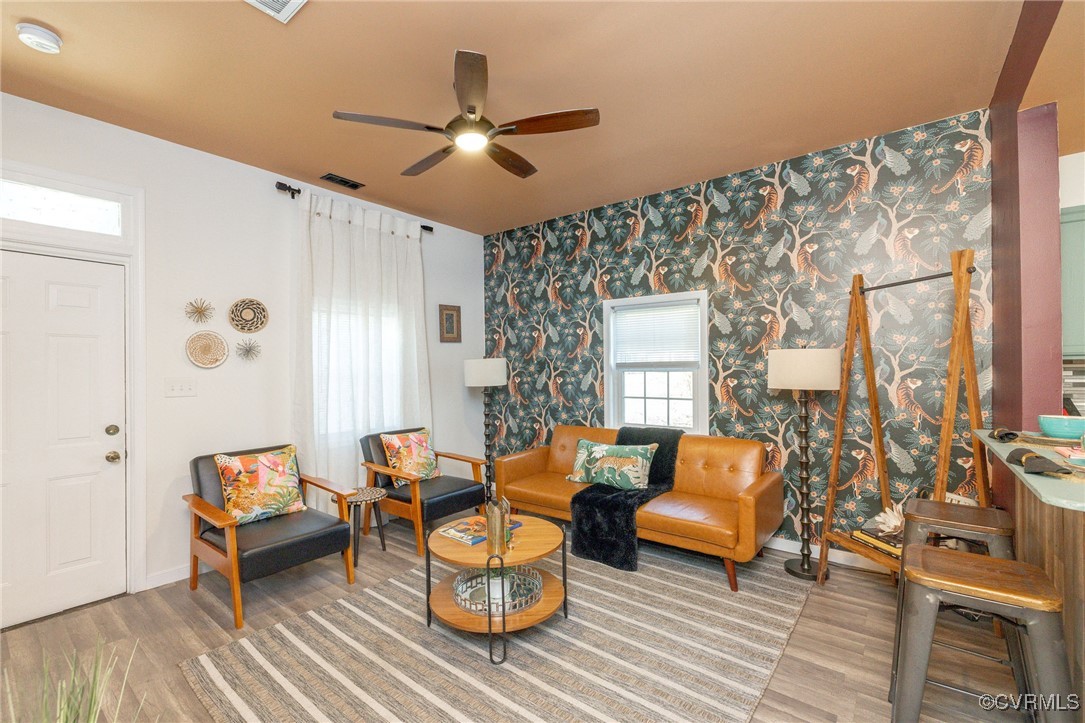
{"x": 805, "y": 370}
{"x": 486, "y": 373}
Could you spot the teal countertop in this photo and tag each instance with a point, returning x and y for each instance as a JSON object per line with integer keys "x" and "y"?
{"x": 1066, "y": 493}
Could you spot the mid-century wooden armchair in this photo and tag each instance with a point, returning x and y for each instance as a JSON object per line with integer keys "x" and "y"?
{"x": 420, "y": 501}
{"x": 256, "y": 549}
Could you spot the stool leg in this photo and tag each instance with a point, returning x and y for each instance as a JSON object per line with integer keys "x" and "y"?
{"x": 356, "y": 519}
{"x": 380, "y": 524}
{"x": 917, "y": 634}
{"x": 914, "y": 534}
{"x": 1012, "y": 633}
{"x": 1000, "y": 546}
{"x": 1050, "y": 669}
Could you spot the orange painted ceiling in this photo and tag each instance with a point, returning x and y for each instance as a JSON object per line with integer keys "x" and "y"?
{"x": 1060, "y": 76}
{"x": 687, "y": 91}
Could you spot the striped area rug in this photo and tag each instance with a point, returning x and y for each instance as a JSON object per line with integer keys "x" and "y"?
{"x": 668, "y": 642}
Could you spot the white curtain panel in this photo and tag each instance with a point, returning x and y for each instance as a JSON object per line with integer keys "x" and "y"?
{"x": 362, "y": 365}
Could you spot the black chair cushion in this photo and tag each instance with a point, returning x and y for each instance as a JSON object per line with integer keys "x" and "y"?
{"x": 442, "y": 496}
{"x": 268, "y": 546}
{"x": 207, "y": 483}
{"x": 373, "y": 451}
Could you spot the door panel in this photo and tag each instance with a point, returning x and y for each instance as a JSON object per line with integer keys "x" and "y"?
{"x": 62, "y": 504}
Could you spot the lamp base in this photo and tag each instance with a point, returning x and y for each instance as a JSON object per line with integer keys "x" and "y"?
{"x": 794, "y": 568}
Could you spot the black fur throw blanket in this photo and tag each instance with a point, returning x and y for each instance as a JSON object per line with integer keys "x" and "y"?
{"x": 605, "y": 518}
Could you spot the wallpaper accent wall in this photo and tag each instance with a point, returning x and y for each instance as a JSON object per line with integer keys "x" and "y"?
{"x": 776, "y": 247}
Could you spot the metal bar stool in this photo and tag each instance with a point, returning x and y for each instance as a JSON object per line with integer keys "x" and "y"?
{"x": 1016, "y": 592}
{"x": 988, "y": 525}
{"x": 359, "y": 502}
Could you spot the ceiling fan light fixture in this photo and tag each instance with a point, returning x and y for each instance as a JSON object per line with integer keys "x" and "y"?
{"x": 472, "y": 141}
{"x": 39, "y": 38}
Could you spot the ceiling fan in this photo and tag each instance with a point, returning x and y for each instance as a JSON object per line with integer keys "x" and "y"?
{"x": 471, "y": 131}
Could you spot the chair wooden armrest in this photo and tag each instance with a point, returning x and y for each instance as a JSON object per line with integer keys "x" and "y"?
{"x": 381, "y": 469}
{"x": 207, "y": 511}
{"x": 326, "y": 485}
{"x": 461, "y": 458}
{"x": 476, "y": 463}
{"x": 339, "y": 494}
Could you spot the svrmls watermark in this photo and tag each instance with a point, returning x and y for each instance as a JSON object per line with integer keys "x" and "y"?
{"x": 1031, "y": 702}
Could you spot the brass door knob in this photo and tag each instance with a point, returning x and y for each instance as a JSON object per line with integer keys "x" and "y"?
{"x": 113, "y": 456}
{"x": 112, "y": 430}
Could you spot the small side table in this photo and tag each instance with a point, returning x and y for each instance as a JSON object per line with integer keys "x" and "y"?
{"x": 358, "y": 501}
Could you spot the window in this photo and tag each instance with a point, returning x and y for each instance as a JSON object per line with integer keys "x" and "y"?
{"x": 657, "y": 361}
{"x": 60, "y": 209}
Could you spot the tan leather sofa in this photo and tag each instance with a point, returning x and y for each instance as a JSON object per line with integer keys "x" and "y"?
{"x": 723, "y": 503}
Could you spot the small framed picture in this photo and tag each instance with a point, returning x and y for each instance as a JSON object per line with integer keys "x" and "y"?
{"x": 449, "y": 319}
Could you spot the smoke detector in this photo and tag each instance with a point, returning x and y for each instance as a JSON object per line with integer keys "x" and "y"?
{"x": 38, "y": 38}
{"x": 281, "y": 10}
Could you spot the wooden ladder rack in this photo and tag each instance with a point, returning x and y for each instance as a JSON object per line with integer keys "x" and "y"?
{"x": 962, "y": 357}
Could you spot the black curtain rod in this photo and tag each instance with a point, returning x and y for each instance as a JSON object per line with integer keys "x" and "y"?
{"x": 891, "y": 284}
{"x": 286, "y": 188}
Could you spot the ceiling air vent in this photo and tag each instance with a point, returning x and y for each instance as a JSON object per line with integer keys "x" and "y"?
{"x": 340, "y": 181}
{"x": 281, "y": 10}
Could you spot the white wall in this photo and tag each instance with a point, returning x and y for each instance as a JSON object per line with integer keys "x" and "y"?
{"x": 1072, "y": 180}
{"x": 218, "y": 229}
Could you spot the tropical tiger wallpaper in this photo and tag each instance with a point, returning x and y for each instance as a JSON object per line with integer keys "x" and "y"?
{"x": 776, "y": 247}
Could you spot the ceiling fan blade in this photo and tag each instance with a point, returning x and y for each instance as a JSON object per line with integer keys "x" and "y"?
{"x": 472, "y": 78}
{"x": 563, "y": 120}
{"x": 376, "y": 120}
{"x": 510, "y": 161}
{"x": 429, "y": 161}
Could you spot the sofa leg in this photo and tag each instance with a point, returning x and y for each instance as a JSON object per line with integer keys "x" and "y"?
{"x": 732, "y": 576}
{"x": 761, "y": 552}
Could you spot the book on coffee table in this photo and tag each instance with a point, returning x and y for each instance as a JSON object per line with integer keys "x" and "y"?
{"x": 472, "y": 530}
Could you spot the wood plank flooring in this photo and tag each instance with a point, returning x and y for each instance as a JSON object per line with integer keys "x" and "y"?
{"x": 835, "y": 667}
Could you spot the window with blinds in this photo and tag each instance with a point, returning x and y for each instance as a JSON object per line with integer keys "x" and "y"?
{"x": 657, "y": 361}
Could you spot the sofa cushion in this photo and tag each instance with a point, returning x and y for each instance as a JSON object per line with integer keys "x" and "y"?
{"x": 563, "y": 445}
{"x": 717, "y": 466}
{"x": 693, "y": 516}
{"x": 546, "y": 489}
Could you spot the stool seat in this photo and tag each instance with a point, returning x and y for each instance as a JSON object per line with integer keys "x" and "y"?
{"x": 367, "y": 495}
{"x": 980, "y": 576}
{"x": 984, "y": 520}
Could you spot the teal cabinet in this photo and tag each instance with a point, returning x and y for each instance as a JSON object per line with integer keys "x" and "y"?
{"x": 1073, "y": 282}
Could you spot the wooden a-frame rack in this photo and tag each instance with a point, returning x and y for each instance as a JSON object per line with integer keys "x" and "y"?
{"x": 962, "y": 356}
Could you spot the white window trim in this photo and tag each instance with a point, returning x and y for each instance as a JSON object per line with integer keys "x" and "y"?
{"x": 612, "y": 379}
{"x": 126, "y": 250}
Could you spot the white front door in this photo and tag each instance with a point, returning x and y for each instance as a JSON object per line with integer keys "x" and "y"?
{"x": 62, "y": 493}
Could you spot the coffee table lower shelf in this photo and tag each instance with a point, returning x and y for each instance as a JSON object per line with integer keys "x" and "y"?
{"x": 449, "y": 613}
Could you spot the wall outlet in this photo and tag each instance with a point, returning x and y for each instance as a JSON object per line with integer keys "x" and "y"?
{"x": 180, "y": 387}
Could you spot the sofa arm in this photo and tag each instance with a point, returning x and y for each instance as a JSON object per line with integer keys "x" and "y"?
{"x": 518, "y": 465}
{"x": 760, "y": 514}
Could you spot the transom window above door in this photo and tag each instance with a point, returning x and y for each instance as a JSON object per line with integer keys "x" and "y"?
{"x": 656, "y": 370}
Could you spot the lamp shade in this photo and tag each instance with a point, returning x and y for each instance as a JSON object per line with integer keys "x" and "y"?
{"x": 485, "y": 372}
{"x": 804, "y": 369}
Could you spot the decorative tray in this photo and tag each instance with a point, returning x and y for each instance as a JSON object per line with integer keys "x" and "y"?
{"x": 522, "y": 587}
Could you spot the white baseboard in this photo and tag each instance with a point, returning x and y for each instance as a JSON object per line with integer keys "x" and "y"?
{"x": 842, "y": 557}
{"x": 165, "y": 577}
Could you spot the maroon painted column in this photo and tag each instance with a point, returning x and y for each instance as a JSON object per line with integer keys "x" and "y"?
{"x": 1026, "y": 265}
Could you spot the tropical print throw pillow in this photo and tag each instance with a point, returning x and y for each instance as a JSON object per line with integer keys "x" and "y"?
{"x": 410, "y": 453}
{"x": 624, "y": 466}
{"x": 258, "y": 486}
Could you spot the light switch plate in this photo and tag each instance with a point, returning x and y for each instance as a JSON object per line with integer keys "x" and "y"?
{"x": 180, "y": 387}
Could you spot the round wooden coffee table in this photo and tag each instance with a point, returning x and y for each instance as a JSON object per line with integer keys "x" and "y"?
{"x": 533, "y": 540}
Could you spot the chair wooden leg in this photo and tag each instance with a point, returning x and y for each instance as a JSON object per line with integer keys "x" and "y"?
{"x": 235, "y": 576}
{"x": 419, "y": 536}
{"x": 732, "y": 576}
{"x": 194, "y": 574}
{"x": 348, "y": 560}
